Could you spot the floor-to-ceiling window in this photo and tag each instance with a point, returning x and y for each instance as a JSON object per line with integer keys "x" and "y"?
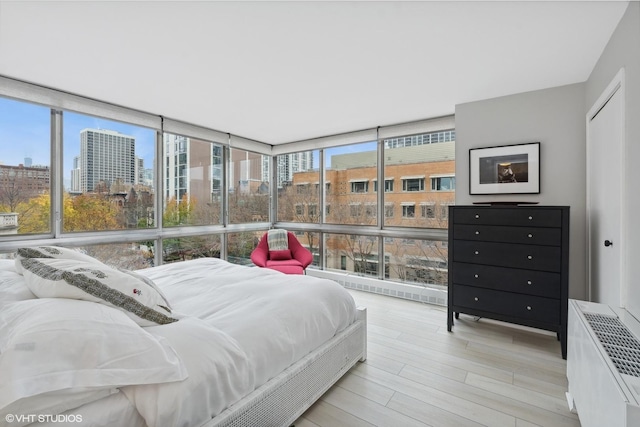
{"x": 350, "y": 173}
{"x": 25, "y": 168}
{"x": 419, "y": 176}
{"x": 248, "y": 187}
{"x": 108, "y": 170}
{"x": 136, "y": 190}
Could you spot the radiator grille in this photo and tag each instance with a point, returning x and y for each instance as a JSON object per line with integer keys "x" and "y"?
{"x": 621, "y": 345}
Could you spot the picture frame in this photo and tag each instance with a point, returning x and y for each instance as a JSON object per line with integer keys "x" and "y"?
{"x": 505, "y": 169}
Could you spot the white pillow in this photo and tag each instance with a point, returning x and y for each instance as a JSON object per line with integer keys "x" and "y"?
{"x": 75, "y": 347}
{"x": 13, "y": 287}
{"x": 54, "y": 252}
{"x": 66, "y": 278}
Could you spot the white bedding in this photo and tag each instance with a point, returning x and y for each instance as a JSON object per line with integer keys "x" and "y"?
{"x": 263, "y": 320}
{"x": 238, "y": 328}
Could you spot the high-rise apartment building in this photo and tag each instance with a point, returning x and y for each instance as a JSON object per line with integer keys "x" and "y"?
{"x": 289, "y": 164}
{"x": 105, "y": 157}
{"x": 192, "y": 167}
{"x": 75, "y": 176}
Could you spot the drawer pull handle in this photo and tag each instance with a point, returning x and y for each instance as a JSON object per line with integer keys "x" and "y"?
{"x": 529, "y": 307}
{"x": 530, "y": 235}
{"x": 477, "y": 232}
{"x": 475, "y": 299}
{"x": 528, "y": 282}
{"x": 477, "y": 216}
{"x": 477, "y": 252}
{"x": 475, "y": 275}
{"x": 530, "y": 218}
{"x": 529, "y": 257}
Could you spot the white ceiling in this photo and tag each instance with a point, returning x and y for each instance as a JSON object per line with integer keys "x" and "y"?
{"x": 279, "y": 72}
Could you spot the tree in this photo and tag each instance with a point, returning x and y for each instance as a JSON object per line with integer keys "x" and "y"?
{"x": 178, "y": 212}
{"x": 91, "y": 212}
{"x": 11, "y": 195}
{"x": 34, "y": 215}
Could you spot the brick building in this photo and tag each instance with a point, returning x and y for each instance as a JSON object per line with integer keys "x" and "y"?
{"x": 419, "y": 185}
{"x": 23, "y": 182}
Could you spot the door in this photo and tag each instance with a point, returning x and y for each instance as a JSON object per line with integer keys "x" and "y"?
{"x": 605, "y": 186}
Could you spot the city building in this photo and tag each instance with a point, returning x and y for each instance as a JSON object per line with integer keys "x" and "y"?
{"x": 105, "y": 157}
{"x": 287, "y": 165}
{"x": 419, "y": 186}
{"x": 23, "y": 182}
{"x": 192, "y": 168}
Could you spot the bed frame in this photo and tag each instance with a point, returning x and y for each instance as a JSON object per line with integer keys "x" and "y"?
{"x": 284, "y": 398}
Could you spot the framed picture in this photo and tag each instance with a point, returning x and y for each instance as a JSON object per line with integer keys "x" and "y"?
{"x": 506, "y": 169}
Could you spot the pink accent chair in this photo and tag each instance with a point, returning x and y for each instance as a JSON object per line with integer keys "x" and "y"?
{"x": 291, "y": 261}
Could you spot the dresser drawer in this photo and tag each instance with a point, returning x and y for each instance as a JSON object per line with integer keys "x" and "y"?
{"x": 508, "y": 216}
{"x": 493, "y": 233}
{"x": 529, "y": 307}
{"x": 530, "y": 257}
{"x": 540, "y": 283}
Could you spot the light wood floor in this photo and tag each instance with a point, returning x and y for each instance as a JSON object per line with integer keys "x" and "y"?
{"x": 483, "y": 373}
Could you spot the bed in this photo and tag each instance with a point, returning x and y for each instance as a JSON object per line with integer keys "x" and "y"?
{"x": 242, "y": 346}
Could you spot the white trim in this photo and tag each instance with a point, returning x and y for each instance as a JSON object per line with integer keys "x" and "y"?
{"x": 407, "y": 203}
{"x": 249, "y": 145}
{"x": 185, "y": 129}
{"x": 422, "y": 126}
{"x": 64, "y": 101}
{"x": 413, "y": 177}
{"x": 617, "y": 84}
{"x": 359, "y": 180}
{"x": 368, "y": 135}
{"x": 443, "y": 175}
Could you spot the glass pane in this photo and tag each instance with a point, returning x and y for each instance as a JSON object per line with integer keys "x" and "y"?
{"x": 240, "y": 245}
{"x": 186, "y": 248}
{"x": 248, "y": 187}
{"x": 192, "y": 181}
{"x": 25, "y": 175}
{"x": 416, "y": 261}
{"x": 130, "y": 256}
{"x": 420, "y": 169}
{"x": 349, "y": 173}
{"x": 311, "y": 241}
{"x": 108, "y": 169}
{"x": 298, "y": 186}
{"x": 353, "y": 253}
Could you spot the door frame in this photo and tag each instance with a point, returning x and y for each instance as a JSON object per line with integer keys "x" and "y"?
{"x": 616, "y": 85}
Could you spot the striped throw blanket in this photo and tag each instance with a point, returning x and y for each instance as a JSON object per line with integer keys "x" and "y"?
{"x": 277, "y": 240}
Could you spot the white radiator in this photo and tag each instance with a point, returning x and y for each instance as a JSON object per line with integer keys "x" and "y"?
{"x": 603, "y": 365}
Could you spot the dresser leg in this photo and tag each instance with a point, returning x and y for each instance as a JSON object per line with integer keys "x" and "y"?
{"x": 457, "y": 315}
{"x": 449, "y": 320}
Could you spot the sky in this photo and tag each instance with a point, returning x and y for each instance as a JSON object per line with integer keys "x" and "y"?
{"x": 25, "y": 132}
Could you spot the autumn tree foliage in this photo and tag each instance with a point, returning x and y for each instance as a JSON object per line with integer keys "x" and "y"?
{"x": 91, "y": 212}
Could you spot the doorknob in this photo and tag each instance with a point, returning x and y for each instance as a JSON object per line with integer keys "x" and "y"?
{"x": 608, "y": 243}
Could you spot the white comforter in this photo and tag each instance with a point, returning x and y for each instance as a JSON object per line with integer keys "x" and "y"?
{"x": 242, "y": 327}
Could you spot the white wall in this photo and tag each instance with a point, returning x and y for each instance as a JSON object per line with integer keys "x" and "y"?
{"x": 623, "y": 50}
{"x": 554, "y": 117}
{"x": 557, "y": 118}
